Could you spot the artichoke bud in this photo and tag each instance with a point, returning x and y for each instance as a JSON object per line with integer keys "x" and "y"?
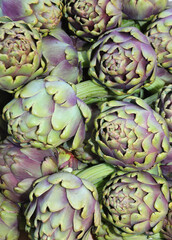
{"x": 44, "y": 116}
{"x": 143, "y": 10}
{"x": 43, "y": 15}
{"x": 89, "y": 19}
{"x": 74, "y": 211}
{"x": 9, "y": 214}
{"x": 61, "y": 56}
{"x": 20, "y": 54}
{"x": 20, "y": 167}
{"x": 136, "y": 202}
{"x": 123, "y": 60}
{"x": 130, "y": 135}
{"x": 159, "y": 35}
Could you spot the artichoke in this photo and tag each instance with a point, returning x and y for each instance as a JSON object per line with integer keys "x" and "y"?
{"x": 136, "y": 202}
{"x": 130, "y": 134}
{"x": 122, "y": 60}
{"x": 9, "y": 212}
{"x": 163, "y": 106}
{"x": 160, "y": 36}
{"x": 44, "y": 116}
{"x": 20, "y": 167}
{"x": 141, "y": 9}
{"x": 88, "y": 19}
{"x": 62, "y": 206}
{"x": 61, "y": 56}
{"x": 42, "y": 14}
{"x": 20, "y": 54}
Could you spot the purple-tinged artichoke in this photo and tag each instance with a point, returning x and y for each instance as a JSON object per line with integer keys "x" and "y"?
{"x": 42, "y": 14}
{"x": 20, "y": 54}
{"x": 141, "y": 9}
{"x": 163, "y": 106}
{"x": 123, "y": 60}
{"x": 9, "y": 213}
{"x": 160, "y": 37}
{"x": 61, "y": 56}
{"x": 62, "y": 206}
{"x": 20, "y": 167}
{"x": 88, "y": 19}
{"x": 130, "y": 135}
{"x": 135, "y": 202}
{"x": 46, "y": 113}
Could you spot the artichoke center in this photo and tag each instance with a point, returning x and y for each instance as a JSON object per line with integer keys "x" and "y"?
{"x": 83, "y": 9}
{"x": 16, "y": 46}
{"x": 115, "y": 63}
{"x": 121, "y": 202}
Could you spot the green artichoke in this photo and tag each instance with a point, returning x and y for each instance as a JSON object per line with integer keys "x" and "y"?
{"x": 62, "y": 206}
{"x": 163, "y": 106}
{"x": 141, "y": 9}
{"x": 61, "y": 56}
{"x": 88, "y": 19}
{"x": 123, "y": 60}
{"x": 9, "y": 213}
{"x": 160, "y": 37}
{"x": 42, "y": 14}
{"x": 20, "y": 54}
{"x": 20, "y": 167}
{"x": 135, "y": 202}
{"x": 44, "y": 116}
{"x": 130, "y": 135}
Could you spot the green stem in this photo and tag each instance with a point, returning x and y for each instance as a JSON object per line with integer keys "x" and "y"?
{"x": 97, "y": 173}
{"x": 90, "y": 92}
{"x": 155, "y": 86}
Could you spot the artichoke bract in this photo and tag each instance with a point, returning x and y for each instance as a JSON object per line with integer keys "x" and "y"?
{"x": 163, "y": 106}
{"x": 20, "y": 54}
{"x": 123, "y": 60}
{"x": 9, "y": 213}
{"x": 141, "y": 9}
{"x": 167, "y": 228}
{"x": 42, "y": 14}
{"x": 160, "y": 36}
{"x": 20, "y": 167}
{"x": 61, "y": 56}
{"x": 88, "y": 19}
{"x": 136, "y": 202}
{"x": 44, "y": 116}
{"x": 62, "y": 206}
{"x": 130, "y": 135}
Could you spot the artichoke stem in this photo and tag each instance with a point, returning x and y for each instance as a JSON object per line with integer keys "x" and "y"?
{"x": 91, "y": 92}
{"x": 97, "y": 173}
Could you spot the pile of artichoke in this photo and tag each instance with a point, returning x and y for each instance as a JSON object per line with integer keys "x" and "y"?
{"x": 85, "y": 120}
